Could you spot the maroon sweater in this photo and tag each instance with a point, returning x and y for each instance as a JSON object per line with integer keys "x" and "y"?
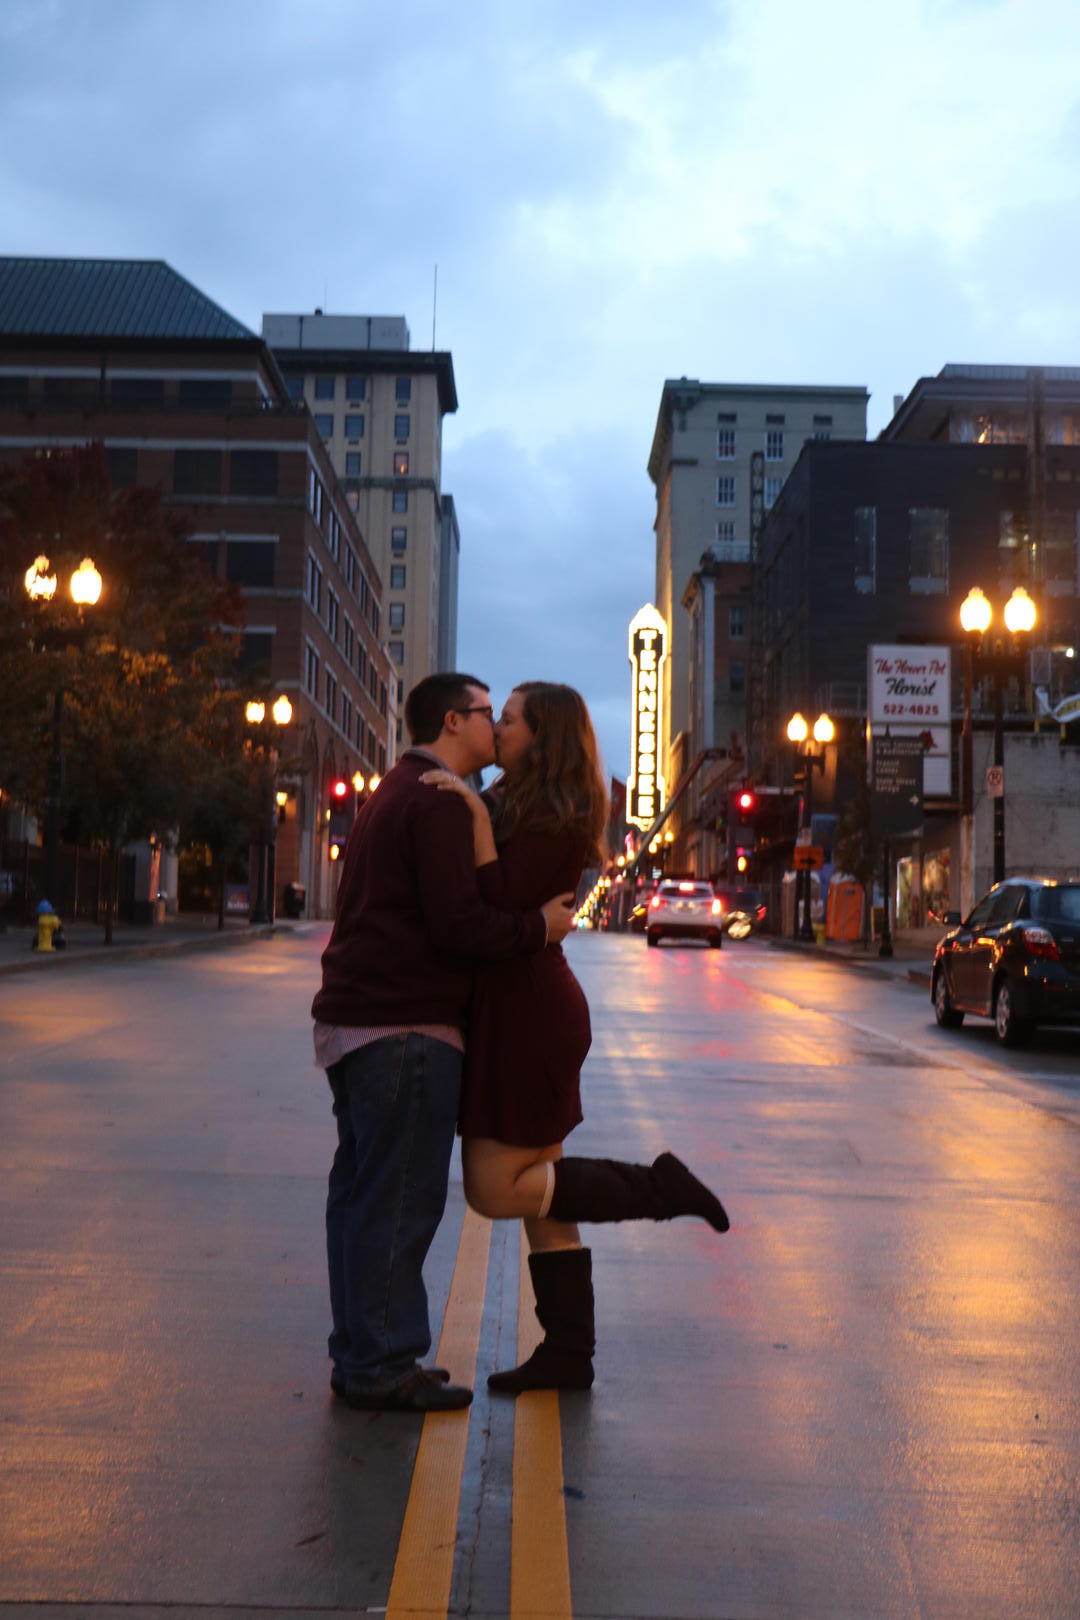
{"x": 410, "y": 924}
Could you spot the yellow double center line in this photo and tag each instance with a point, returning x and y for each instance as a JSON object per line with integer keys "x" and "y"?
{"x": 539, "y": 1561}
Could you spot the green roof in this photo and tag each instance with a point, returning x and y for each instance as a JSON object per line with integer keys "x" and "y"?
{"x": 107, "y": 298}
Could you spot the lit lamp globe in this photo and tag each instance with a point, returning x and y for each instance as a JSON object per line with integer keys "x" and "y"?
{"x": 1020, "y": 614}
{"x": 255, "y": 713}
{"x": 358, "y": 782}
{"x": 40, "y": 584}
{"x": 824, "y": 730}
{"x": 797, "y": 729}
{"x": 976, "y": 612}
{"x": 282, "y": 710}
{"x": 85, "y": 584}
{"x": 373, "y": 781}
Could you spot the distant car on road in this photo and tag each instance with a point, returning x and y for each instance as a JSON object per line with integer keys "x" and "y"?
{"x": 744, "y": 911}
{"x": 1015, "y": 959}
{"x": 684, "y": 909}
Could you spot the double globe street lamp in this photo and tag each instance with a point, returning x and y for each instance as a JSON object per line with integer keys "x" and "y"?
{"x": 1002, "y": 656}
{"x": 281, "y": 712}
{"x": 803, "y": 737}
{"x": 84, "y": 588}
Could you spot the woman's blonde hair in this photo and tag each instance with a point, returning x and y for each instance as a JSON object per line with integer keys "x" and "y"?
{"x": 559, "y": 785}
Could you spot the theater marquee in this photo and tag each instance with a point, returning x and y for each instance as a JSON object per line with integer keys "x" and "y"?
{"x": 648, "y": 648}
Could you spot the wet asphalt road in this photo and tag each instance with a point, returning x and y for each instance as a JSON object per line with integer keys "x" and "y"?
{"x": 861, "y": 1402}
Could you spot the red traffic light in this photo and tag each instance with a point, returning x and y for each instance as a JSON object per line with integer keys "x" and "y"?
{"x": 339, "y": 789}
{"x": 746, "y": 800}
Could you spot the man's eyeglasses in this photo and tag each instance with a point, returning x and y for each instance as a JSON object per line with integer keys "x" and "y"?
{"x": 480, "y": 708}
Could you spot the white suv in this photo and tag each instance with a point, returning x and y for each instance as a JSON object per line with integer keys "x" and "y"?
{"x": 683, "y": 907}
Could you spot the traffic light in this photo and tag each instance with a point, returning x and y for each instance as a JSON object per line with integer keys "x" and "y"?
{"x": 342, "y": 811}
{"x": 747, "y": 802}
{"x": 742, "y": 834}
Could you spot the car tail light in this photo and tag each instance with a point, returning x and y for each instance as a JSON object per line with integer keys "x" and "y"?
{"x": 655, "y": 901}
{"x": 686, "y": 888}
{"x": 1041, "y": 942}
{"x": 717, "y": 908}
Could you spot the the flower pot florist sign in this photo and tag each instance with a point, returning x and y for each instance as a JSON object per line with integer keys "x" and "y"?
{"x": 645, "y": 787}
{"x": 910, "y": 690}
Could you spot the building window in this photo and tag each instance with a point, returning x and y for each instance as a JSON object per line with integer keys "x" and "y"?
{"x": 14, "y": 390}
{"x": 256, "y": 647}
{"x": 354, "y": 427}
{"x": 397, "y": 615}
{"x": 774, "y": 444}
{"x": 324, "y": 388}
{"x": 123, "y": 466}
{"x": 350, "y": 568}
{"x": 725, "y": 444}
{"x": 333, "y": 535}
{"x": 314, "y": 584}
{"x": 137, "y": 390}
{"x": 928, "y": 550}
{"x": 736, "y": 623}
{"x": 331, "y": 697}
{"x": 401, "y": 427}
{"x": 295, "y": 386}
{"x": 865, "y": 550}
{"x": 197, "y": 472}
{"x": 311, "y": 672}
{"x": 401, "y": 464}
{"x": 348, "y": 643}
{"x": 382, "y": 697}
{"x": 400, "y": 500}
{"x": 821, "y": 434}
{"x": 373, "y": 676}
{"x": 360, "y": 738}
{"x": 355, "y": 388}
{"x": 346, "y": 714}
{"x": 315, "y": 497}
{"x": 332, "y": 607}
{"x": 725, "y": 531}
{"x": 773, "y": 486}
{"x": 324, "y": 422}
{"x": 206, "y": 391}
{"x": 398, "y": 539}
{"x": 253, "y": 472}
{"x": 250, "y": 562}
{"x": 397, "y": 576}
{"x": 403, "y": 390}
{"x": 352, "y": 464}
{"x": 382, "y": 758}
{"x": 737, "y": 677}
{"x": 725, "y": 490}
{"x": 397, "y": 651}
{"x": 361, "y": 661}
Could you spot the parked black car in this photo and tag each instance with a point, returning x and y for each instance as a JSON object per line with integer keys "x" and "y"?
{"x": 745, "y": 911}
{"x": 1015, "y": 959}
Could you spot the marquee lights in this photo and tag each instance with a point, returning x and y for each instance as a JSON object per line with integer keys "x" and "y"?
{"x": 648, "y": 650}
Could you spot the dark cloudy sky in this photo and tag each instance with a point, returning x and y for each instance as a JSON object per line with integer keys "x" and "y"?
{"x": 615, "y": 192}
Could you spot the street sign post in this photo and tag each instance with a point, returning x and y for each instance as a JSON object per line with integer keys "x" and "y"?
{"x": 809, "y": 857}
{"x": 897, "y": 785}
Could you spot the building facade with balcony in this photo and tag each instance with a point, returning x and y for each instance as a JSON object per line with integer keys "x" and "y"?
{"x": 185, "y": 398}
{"x": 378, "y": 406}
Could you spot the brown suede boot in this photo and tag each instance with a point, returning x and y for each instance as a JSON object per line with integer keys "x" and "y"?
{"x": 609, "y": 1190}
{"x": 562, "y": 1283}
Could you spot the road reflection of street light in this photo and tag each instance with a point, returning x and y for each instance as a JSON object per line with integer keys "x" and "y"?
{"x": 1001, "y": 658}
{"x": 799, "y": 734}
{"x": 281, "y": 711}
{"x": 84, "y": 588}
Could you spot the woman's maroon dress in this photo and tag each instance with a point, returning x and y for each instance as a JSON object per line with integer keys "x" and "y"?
{"x": 529, "y": 1021}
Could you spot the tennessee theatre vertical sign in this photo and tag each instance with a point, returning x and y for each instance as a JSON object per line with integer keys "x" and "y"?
{"x": 645, "y": 789}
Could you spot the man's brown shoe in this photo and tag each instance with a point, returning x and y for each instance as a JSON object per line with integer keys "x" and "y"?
{"x": 420, "y": 1392}
{"x": 337, "y": 1379}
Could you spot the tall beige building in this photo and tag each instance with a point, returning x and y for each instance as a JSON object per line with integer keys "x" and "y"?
{"x": 379, "y": 407}
{"x": 719, "y": 458}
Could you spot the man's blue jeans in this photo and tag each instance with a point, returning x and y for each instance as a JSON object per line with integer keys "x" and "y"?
{"x": 396, "y": 1107}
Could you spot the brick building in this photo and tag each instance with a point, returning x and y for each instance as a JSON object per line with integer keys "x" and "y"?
{"x": 185, "y": 398}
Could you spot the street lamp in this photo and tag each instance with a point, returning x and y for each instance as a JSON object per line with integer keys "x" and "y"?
{"x": 84, "y": 588}
{"x": 266, "y": 872}
{"x": 1002, "y": 658}
{"x": 799, "y": 734}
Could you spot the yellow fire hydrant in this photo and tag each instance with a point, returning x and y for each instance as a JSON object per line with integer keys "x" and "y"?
{"x": 47, "y": 924}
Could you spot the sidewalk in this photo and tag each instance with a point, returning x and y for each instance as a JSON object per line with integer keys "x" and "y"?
{"x": 913, "y": 951}
{"x": 86, "y": 941}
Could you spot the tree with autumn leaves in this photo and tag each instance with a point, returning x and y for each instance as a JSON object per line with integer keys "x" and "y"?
{"x": 152, "y": 734}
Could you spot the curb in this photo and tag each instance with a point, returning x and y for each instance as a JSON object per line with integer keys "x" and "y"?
{"x": 917, "y": 975}
{"x": 33, "y": 963}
